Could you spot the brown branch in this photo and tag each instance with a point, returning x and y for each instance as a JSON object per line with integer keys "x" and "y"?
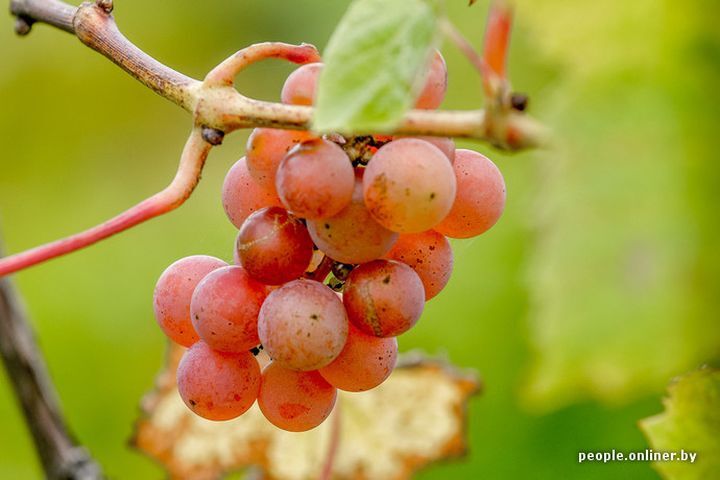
{"x": 53, "y": 12}
{"x": 224, "y": 109}
{"x": 61, "y": 456}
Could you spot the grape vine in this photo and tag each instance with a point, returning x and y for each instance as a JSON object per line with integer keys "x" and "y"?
{"x": 342, "y": 233}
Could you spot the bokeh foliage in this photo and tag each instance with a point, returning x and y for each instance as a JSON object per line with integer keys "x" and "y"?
{"x": 618, "y": 305}
{"x": 599, "y": 283}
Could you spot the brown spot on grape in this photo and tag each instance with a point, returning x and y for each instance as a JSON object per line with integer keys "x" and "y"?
{"x": 386, "y": 280}
{"x": 292, "y": 410}
{"x": 432, "y": 195}
{"x": 192, "y": 402}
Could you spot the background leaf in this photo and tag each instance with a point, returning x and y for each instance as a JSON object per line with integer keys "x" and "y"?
{"x": 691, "y": 422}
{"x": 372, "y": 65}
{"x": 617, "y": 301}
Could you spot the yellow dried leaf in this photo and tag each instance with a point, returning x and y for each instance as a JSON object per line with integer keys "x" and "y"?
{"x": 416, "y": 417}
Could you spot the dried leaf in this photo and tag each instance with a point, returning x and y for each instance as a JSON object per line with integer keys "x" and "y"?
{"x": 416, "y": 417}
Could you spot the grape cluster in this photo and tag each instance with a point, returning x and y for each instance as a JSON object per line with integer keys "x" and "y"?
{"x": 340, "y": 244}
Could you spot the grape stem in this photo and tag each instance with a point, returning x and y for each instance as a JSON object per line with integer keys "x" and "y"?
{"x": 218, "y": 108}
{"x": 454, "y": 35}
{"x": 334, "y": 442}
{"x": 191, "y": 163}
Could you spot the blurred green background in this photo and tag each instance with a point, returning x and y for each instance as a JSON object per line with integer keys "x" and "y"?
{"x": 599, "y": 284}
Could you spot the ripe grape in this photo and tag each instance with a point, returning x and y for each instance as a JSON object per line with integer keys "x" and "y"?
{"x": 242, "y": 195}
{"x": 301, "y": 85}
{"x": 315, "y": 180}
{"x": 384, "y": 298}
{"x": 303, "y": 325}
{"x": 173, "y": 292}
{"x": 295, "y": 401}
{"x": 433, "y": 92}
{"x": 352, "y": 236}
{"x": 266, "y": 147}
{"x": 364, "y": 363}
{"x": 409, "y": 185}
{"x": 444, "y": 144}
{"x": 217, "y": 385}
{"x": 429, "y": 254}
{"x": 225, "y": 308}
{"x": 273, "y": 246}
{"x": 480, "y": 198}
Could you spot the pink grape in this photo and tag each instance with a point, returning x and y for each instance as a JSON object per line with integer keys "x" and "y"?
{"x": 303, "y": 325}
{"x": 295, "y": 401}
{"x": 273, "y": 246}
{"x": 409, "y": 185}
{"x": 242, "y": 195}
{"x": 433, "y": 92}
{"x": 266, "y": 147}
{"x": 444, "y": 144}
{"x": 217, "y": 385}
{"x": 225, "y": 308}
{"x": 384, "y": 298}
{"x": 480, "y": 198}
{"x": 429, "y": 254}
{"x": 365, "y": 362}
{"x": 301, "y": 85}
{"x": 316, "y": 180}
{"x": 352, "y": 236}
{"x": 173, "y": 293}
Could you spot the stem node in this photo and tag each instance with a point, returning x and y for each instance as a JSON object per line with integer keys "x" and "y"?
{"x": 23, "y": 25}
{"x": 106, "y": 5}
{"x": 213, "y": 136}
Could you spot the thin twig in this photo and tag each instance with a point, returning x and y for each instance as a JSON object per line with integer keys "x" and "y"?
{"x": 191, "y": 163}
{"x": 462, "y": 43}
{"x": 61, "y": 456}
{"x": 334, "y": 443}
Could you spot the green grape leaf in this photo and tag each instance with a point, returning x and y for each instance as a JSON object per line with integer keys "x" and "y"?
{"x": 373, "y": 63}
{"x": 691, "y": 422}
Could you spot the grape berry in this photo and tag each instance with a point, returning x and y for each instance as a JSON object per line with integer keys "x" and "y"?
{"x": 340, "y": 244}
